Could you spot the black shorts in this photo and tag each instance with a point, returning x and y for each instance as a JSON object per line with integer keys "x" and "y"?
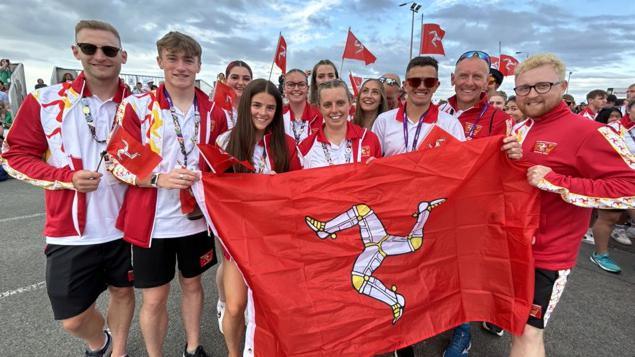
{"x": 77, "y": 274}
{"x": 155, "y": 266}
{"x": 549, "y": 285}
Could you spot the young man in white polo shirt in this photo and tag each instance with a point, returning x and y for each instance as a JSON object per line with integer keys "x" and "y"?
{"x": 67, "y": 125}
{"x": 158, "y": 215}
{"x": 402, "y": 129}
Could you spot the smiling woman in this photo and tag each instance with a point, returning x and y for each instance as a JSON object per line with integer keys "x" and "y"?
{"x": 371, "y": 102}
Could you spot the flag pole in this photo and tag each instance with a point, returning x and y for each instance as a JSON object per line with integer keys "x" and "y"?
{"x": 345, "y": 43}
{"x": 274, "y": 56}
{"x": 500, "y": 46}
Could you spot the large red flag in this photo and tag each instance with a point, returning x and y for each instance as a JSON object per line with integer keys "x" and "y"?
{"x": 356, "y": 83}
{"x": 432, "y": 40}
{"x": 281, "y": 54}
{"x": 224, "y": 95}
{"x": 507, "y": 65}
{"x": 130, "y": 153}
{"x": 336, "y": 258}
{"x": 356, "y": 50}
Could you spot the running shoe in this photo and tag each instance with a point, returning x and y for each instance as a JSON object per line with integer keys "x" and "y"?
{"x": 461, "y": 342}
{"x": 493, "y": 329}
{"x": 105, "y": 351}
{"x": 588, "y": 237}
{"x": 220, "y": 312}
{"x": 630, "y": 232}
{"x": 605, "y": 262}
{"x": 619, "y": 234}
{"x": 199, "y": 352}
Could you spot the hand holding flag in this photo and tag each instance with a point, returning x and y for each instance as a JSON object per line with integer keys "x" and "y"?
{"x": 135, "y": 157}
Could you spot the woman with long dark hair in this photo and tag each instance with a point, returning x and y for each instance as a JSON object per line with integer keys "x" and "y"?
{"x": 259, "y": 138}
{"x": 323, "y": 71}
{"x": 371, "y": 102}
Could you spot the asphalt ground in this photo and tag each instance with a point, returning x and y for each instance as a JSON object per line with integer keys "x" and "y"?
{"x": 595, "y": 317}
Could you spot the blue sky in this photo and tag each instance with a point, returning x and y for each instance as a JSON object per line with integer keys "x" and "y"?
{"x": 597, "y": 41}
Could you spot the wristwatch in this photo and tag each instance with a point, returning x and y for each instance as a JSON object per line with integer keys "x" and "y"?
{"x": 154, "y": 180}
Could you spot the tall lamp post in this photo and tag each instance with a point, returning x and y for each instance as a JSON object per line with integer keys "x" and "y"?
{"x": 568, "y": 82}
{"x": 414, "y": 7}
{"x": 523, "y": 53}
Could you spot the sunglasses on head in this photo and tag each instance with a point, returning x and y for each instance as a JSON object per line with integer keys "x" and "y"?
{"x": 388, "y": 81}
{"x": 89, "y": 49}
{"x": 428, "y": 82}
{"x": 475, "y": 54}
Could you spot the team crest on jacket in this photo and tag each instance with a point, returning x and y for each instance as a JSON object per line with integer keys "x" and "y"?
{"x": 365, "y": 150}
{"x": 544, "y": 147}
{"x": 378, "y": 245}
{"x": 467, "y": 127}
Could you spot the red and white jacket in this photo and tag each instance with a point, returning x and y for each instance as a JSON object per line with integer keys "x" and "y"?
{"x": 587, "y": 113}
{"x": 38, "y": 150}
{"x": 142, "y": 116}
{"x": 592, "y": 168}
{"x": 363, "y": 145}
{"x": 481, "y": 120}
{"x": 310, "y": 122}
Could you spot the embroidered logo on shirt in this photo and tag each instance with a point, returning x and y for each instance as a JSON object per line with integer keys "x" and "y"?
{"x": 365, "y": 150}
{"x": 206, "y": 258}
{"x": 467, "y": 127}
{"x": 536, "y": 311}
{"x": 544, "y": 147}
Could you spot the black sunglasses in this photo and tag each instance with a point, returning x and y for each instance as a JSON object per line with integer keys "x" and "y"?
{"x": 428, "y": 82}
{"x": 89, "y": 49}
{"x": 476, "y": 54}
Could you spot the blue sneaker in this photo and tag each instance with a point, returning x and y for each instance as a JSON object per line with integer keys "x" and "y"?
{"x": 605, "y": 262}
{"x": 460, "y": 343}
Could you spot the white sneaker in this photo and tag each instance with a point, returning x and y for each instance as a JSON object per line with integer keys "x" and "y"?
{"x": 220, "y": 312}
{"x": 619, "y": 234}
{"x": 630, "y": 232}
{"x": 588, "y": 237}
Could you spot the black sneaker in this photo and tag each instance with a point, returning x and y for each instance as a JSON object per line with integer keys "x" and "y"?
{"x": 493, "y": 329}
{"x": 106, "y": 351}
{"x": 407, "y": 351}
{"x": 199, "y": 352}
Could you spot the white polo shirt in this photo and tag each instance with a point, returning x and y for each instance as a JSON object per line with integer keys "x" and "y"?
{"x": 389, "y": 128}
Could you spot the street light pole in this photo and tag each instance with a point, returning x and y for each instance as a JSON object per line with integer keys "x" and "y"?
{"x": 414, "y": 7}
{"x": 568, "y": 82}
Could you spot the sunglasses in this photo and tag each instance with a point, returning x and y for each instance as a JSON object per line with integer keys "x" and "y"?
{"x": 428, "y": 82}
{"x": 388, "y": 81}
{"x": 475, "y": 54}
{"x": 89, "y": 49}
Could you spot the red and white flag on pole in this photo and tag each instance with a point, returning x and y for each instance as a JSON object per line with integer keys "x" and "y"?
{"x": 432, "y": 40}
{"x": 356, "y": 83}
{"x": 356, "y": 50}
{"x": 495, "y": 62}
{"x": 281, "y": 54}
{"x": 507, "y": 65}
{"x": 224, "y": 95}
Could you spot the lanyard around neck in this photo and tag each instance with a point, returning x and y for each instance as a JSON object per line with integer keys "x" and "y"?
{"x": 177, "y": 126}
{"x": 417, "y": 132}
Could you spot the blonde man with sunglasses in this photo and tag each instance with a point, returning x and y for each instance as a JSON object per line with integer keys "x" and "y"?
{"x": 56, "y": 143}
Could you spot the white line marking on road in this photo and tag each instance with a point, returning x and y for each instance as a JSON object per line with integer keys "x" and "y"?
{"x": 24, "y": 289}
{"x": 21, "y": 217}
